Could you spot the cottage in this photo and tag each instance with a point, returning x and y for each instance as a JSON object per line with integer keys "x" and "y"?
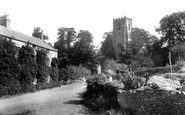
{"x": 21, "y": 39}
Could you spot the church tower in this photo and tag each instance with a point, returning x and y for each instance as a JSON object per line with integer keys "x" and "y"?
{"x": 122, "y": 28}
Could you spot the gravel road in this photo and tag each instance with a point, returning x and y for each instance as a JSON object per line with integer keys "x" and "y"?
{"x": 64, "y": 100}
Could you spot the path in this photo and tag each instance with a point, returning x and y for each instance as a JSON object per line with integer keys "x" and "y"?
{"x": 64, "y": 100}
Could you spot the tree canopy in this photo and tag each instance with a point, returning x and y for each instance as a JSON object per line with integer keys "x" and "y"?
{"x": 140, "y": 40}
{"x": 66, "y": 37}
{"x": 38, "y": 33}
{"x": 107, "y": 48}
{"x": 83, "y": 50}
{"x": 172, "y": 29}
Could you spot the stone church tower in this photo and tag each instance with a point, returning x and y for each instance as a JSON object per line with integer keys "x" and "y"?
{"x": 122, "y": 28}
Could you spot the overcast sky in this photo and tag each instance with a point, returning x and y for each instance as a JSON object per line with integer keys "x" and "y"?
{"x": 93, "y": 15}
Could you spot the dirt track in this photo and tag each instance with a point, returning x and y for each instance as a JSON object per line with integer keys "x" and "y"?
{"x": 64, "y": 100}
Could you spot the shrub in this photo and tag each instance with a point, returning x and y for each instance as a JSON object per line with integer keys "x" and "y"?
{"x": 54, "y": 62}
{"x": 54, "y": 74}
{"x": 100, "y": 95}
{"x": 73, "y": 72}
{"x": 26, "y": 79}
{"x": 9, "y": 69}
{"x": 43, "y": 69}
{"x": 131, "y": 81}
{"x": 114, "y": 66}
{"x": 28, "y": 68}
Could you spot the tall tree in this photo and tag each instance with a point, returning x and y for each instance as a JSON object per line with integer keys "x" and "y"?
{"x": 172, "y": 29}
{"x": 66, "y": 37}
{"x": 140, "y": 40}
{"x": 107, "y": 48}
{"x": 38, "y": 33}
{"x": 65, "y": 40}
{"x": 137, "y": 53}
{"x": 83, "y": 50}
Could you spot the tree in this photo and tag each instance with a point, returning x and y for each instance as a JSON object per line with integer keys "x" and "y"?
{"x": 66, "y": 37}
{"x": 107, "y": 48}
{"x": 179, "y": 51}
{"x": 38, "y": 33}
{"x": 28, "y": 67}
{"x": 172, "y": 29}
{"x": 42, "y": 62}
{"x": 140, "y": 40}
{"x": 65, "y": 40}
{"x": 83, "y": 52}
{"x": 9, "y": 69}
{"x": 137, "y": 54}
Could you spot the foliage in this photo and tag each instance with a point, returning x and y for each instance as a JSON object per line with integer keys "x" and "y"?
{"x": 100, "y": 96}
{"x": 83, "y": 49}
{"x": 66, "y": 36}
{"x": 54, "y": 62}
{"x": 140, "y": 40}
{"x": 26, "y": 78}
{"x": 113, "y": 66}
{"x": 26, "y": 56}
{"x": 38, "y": 33}
{"x": 54, "y": 74}
{"x": 179, "y": 50}
{"x": 138, "y": 54}
{"x": 42, "y": 62}
{"x": 131, "y": 81}
{"x": 41, "y": 86}
{"x": 153, "y": 101}
{"x": 157, "y": 70}
{"x": 172, "y": 29}
{"x": 160, "y": 54}
{"x": 54, "y": 71}
{"x": 28, "y": 67}
{"x": 73, "y": 72}
{"x": 9, "y": 69}
{"x": 107, "y": 48}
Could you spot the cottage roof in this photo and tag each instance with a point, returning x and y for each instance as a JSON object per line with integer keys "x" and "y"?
{"x": 24, "y": 38}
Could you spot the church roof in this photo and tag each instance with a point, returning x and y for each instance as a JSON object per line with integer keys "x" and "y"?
{"x": 24, "y": 38}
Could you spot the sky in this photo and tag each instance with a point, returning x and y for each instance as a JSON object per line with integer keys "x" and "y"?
{"x": 93, "y": 15}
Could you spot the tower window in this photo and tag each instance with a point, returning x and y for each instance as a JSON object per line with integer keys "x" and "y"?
{"x": 119, "y": 26}
{"x": 129, "y": 28}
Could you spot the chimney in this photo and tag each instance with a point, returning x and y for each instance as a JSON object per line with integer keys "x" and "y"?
{"x": 5, "y": 21}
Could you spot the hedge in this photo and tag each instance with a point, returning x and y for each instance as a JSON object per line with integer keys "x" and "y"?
{"x": 9, "y": 69}
{"x": 157, "y": 70}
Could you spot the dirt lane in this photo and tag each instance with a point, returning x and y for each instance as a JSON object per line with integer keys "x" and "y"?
{"x": 63, "y": 100}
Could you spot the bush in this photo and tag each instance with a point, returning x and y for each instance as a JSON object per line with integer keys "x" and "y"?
{"x": 43, "y": 69}
{"x": 100, "y": 96}
{"x": 54, "y": 62}
{"x": 9, "y": 69}
{"x": 54, "y": 74}
{"x": 152, "y": 102}
{"x": 27, "y": 76}
{"x": 28, "y": 68}
{"x": 114, "y": 66}
{"x": 73, "y": 72}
